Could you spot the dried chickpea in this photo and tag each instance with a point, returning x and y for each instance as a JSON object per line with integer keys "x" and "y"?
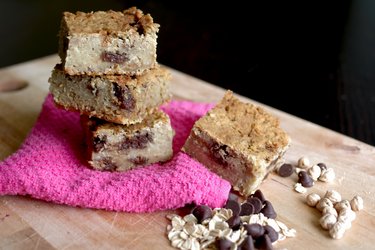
{"x": 333, "y": 195}
{"x": 324, "y": 203}
{"x": 312, "y": 199}
{"x": 329, "y": 210}
{"x": 342, "y": 205}
{"x": 356, "y": 203}
{"x": 337, "y": 231}
{"x": 327, "y": 221}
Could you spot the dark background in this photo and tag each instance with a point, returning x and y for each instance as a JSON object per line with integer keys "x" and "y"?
{"x": 313, "y": 59}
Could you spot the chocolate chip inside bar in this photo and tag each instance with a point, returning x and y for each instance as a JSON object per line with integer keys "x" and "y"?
{"x": 138, "y": 141}
{"x": 99, "y": 143}
{"x": 114, "y": 57}
{"x": 124, "y": 96}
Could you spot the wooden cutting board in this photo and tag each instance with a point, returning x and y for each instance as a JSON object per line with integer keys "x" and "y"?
{"x": 26, "y": 223}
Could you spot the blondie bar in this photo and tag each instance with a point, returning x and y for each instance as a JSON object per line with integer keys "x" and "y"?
{"x": 107, "y": 42}
{"x": 116, "y": 147}
{"x": 116, "y": 98}
{"x": 239, "y": 141}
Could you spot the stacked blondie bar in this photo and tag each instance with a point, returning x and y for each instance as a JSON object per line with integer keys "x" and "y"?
{"x": 109, "y": 74}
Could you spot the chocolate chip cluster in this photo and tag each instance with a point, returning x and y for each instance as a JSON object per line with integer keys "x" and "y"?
{"x": 249, "y": 224}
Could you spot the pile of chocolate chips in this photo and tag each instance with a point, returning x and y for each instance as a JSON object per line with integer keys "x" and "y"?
{"x": 258, "y": 236}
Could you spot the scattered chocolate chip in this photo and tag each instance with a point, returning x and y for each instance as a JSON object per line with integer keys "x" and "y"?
{"x": 255, "y": 230}
{"x": 247, "y": 244}
{"x": 305, "y": 179}
{"x": 234, "y": 222}
{"x": 270, "y": 231}
{"x": 322, "y": 166}
{"x": 124, "y": 96}
{"x": 98, "y": 143}
{"x": 257, "y": 204}
{"x": 234, "y": 206}
{"x": 114, "y": 57}
{"x": 268, "y": 210}
{"x": 264, "y": 243}
{"x": 202, "y": 212}
{"x": 233, "y": 197}
{"x": 285, "y": 170}
{"x": 246, "y": 209}
{"x": 258, "y": 194}
{"x": 223, "y": 244}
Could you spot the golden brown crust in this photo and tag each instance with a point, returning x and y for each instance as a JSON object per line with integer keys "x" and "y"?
{"x": 147, "y": 76}
{"x": 244, "y": 127}
{"x": 96, "y": 124}
{"x": 109, "y": 22}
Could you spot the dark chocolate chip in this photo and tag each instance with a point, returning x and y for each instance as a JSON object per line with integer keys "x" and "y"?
{"x": 234, "y": 222}
{"x": 138, "y": 141}
{"x": 223, "y": 244}
{"x": 270, "y": 231}
{"x": 247, "y": 244}
{"x": 285, "y": 170}
{"x": 305, "y": 179}
{"x": 114, "y": 57}
{"x": 246, "y": 209}
{"x": 268, "y": 210}
{"x": 233, "y": 197}
{"x": 92, "y": 89}
{"x": 322, "y": 166}
{"x": 202, "y": 212}
{"x": 124, "y": 96}
{"x": 257, "y": 204}
{"x": 108, "y": 164}
{"x": 139, "y": 160}
{"x": 264, "y": 243}
{"x": 234, "y": 206}
{"x": 255, "y": 230}
{"x": 219, "y": 153}
{"x": 98, "y": 143}
{"x": 259, "y": 195}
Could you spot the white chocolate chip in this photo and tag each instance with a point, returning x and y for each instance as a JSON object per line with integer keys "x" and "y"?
{"x": 299, "y": 188}
{"x": 327, "y": 221}
{"x": 333, "y": 195}
{"x": 303, "y": 162}
{"x": 315, "y": 172}
{"x": 328, "y": 175}
{"x": 312, "y": 199}
{"x": 356, "y": 203}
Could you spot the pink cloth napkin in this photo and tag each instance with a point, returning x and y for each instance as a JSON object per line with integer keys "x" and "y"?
{"x": 50, "y": 166}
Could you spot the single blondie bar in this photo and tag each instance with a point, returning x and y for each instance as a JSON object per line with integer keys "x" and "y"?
{"x": 116, "y": 147}
{"x": 107, "y": 42}
{"x": 116, "y": 98}
{"x": 239, "y": 141}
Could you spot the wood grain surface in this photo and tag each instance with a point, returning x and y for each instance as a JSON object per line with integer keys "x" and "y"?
{"x": 26, "y": 223}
